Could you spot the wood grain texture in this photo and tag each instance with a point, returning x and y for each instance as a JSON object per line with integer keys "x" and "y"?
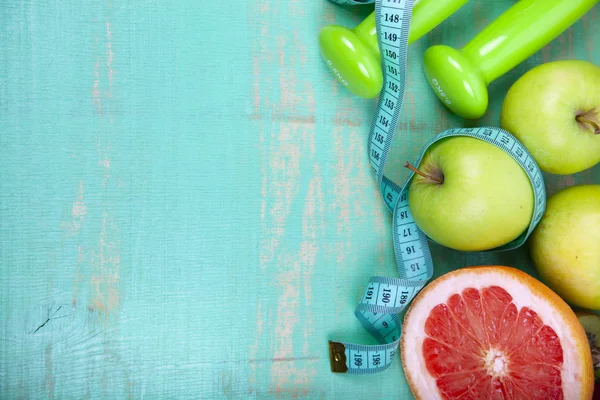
{"x": 186, "y": 204}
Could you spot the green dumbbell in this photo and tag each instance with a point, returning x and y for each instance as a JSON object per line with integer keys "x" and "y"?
{"x": 352, "y": 55}
{"x": 460, "y": 77}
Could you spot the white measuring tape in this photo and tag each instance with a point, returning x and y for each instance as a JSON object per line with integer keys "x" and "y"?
{"x": 384, "y": 297}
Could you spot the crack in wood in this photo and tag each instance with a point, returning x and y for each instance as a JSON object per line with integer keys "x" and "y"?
{"x": 46, "y": 321}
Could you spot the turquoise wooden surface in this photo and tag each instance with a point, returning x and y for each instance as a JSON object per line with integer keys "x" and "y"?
{"x": 186, "y": 205}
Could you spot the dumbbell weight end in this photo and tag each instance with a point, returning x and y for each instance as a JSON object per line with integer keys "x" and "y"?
{"x": 352, "y": 55}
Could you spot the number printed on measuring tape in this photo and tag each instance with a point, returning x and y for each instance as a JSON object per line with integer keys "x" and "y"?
{"x": 385, "y": 297}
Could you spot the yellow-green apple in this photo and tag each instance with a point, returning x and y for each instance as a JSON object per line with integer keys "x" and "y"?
{"x": 565, "y": 245}
{"x": 470, "y": 195}
{"x": 554, "y": 110}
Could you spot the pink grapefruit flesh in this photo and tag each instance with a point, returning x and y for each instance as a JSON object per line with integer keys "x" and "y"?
{"x": 494, "y": 333}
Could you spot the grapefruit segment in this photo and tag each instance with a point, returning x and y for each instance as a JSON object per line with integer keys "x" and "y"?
{"x": 467, "y": 311}
{"x": 506, "y": 325}
{"x": 494, "y": 333}
{"x": 543, "y": 347}
{"x": 442, "y": 326}
{"x": 500, "y": 390}
{"x": 495, "y": 304}
{"x": 527, "y": 325}
{"x": 472, "y": 299}
{"x": 457, "y": 385}
{"x": 443, "y": 359}
{"x": 537, "y": 378}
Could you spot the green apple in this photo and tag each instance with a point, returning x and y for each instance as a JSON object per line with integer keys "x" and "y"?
{"x": 554, "y": 110}
{"x": 565, "y": 245}
{"x": 470, "y": 195}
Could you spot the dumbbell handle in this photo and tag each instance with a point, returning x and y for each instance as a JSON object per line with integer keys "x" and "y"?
{"x": 521, "y": 31}
{"x": 427, "y": 14}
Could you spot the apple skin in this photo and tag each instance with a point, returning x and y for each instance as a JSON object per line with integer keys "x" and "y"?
{"x": 486, "y": 199}
{"x": 565, "y": 246}
{"x": 541, "y": 107}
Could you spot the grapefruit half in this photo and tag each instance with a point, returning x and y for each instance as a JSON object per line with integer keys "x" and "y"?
{"x": 494, "y": 332}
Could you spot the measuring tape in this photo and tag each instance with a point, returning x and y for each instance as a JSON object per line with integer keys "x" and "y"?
{"x": 384, "y": 297}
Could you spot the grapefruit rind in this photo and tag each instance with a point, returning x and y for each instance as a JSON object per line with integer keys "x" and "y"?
{"x": 577, "y": 374}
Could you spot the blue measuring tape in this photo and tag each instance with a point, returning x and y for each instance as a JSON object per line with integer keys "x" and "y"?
{"x": 385, "y": 298}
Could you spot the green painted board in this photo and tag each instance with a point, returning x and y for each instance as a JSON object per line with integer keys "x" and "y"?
{"x": 186, "y": 204}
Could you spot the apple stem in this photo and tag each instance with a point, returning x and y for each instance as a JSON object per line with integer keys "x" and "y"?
{"x": 591, "y": 118}
{"x": 423, "y": 174}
